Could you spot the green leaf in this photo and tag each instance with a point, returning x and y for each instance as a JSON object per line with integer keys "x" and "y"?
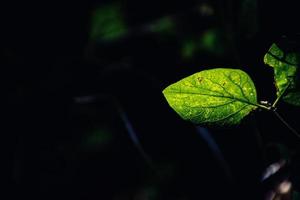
{"x": 108, "y": 23}
{"x": 100, "y": 137}
{"x": 286, "y": 70}
{"x": 165, "y": 25}
{"x": 215, "y": 97}
{"x": 212, "y": 42}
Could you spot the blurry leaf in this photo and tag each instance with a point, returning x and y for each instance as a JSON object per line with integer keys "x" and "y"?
{"x": 206, "y": 9}
{"x": 164, "y": 25}
{"x": 211, "y": 42}
{"x": 108, "y": 23}
{"x": 189, "y": 47}
{"x": 98, "y": 138}
{"x": 213, "y": 97}
{"x": 286, "y": 72}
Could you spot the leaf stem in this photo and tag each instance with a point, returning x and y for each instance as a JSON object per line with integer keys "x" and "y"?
{"x": 279, "y": 97}
{"x": 286, "y": 124}
{"x": 263, "y": 106}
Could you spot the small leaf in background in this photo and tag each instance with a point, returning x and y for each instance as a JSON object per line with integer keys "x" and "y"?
{"x": 189, "y": 48}
{"x": 108, "y": 23}
{"x": 165, "y": 25}
{"x": 206, "y": 9}
{"x": 211, "y": 42}
{"x": 220, "y": 97}
{"x": 97, "y": 139}
{"x": 286, "y": 70}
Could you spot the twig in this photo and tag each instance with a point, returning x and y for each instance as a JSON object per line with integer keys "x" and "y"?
{"x": 281, "y": 94}
{"x": 286, "y": 124}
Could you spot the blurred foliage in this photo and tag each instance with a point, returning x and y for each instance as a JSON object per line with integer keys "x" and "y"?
{"x": 165, "y": 25}
{"x": 206, "y": 9}
{"x": 98, "y": 138}
{"x": 212, "y": 42}
{"x": 63, "y": 148}
{"x": 189, "y": 48}
{"x": 108, "y": 23}
{"x": 209, "y": 42}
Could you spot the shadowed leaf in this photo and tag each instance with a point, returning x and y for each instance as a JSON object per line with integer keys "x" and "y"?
{"x": 211, "y": 42}
{"x": 108, "y": 23}
{"x": 99, "y": 138}
{"x": 189, "y": 48}
{"x": 165, "y": 25}
{"x": 286, "y": 70}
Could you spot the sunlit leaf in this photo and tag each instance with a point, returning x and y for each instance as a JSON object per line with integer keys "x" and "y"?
{"x": 219, "y": 97}
{"x": 286, "y": 71}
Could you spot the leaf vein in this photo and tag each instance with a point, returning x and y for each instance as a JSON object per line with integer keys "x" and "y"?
{"x": 217, "y": 96}
{"x": 238, "y": 86}
{"x": 213, "y": 106}
{"x": 226, "y": 117}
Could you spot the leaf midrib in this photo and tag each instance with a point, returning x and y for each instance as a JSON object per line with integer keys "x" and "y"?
{"x": 228, "y": 97}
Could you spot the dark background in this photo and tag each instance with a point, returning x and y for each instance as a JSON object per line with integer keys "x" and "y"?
{"x": 85, "y": 116}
